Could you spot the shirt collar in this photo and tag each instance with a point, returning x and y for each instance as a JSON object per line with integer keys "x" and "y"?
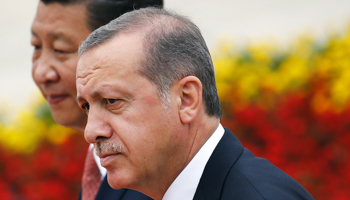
{"x": 103, "y": 170}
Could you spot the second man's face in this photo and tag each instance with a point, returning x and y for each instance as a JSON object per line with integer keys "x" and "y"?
{"x": 57, "y": 32}
{"x": 136, "y": 137}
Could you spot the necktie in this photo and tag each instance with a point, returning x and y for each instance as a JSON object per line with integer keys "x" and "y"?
{"x": 91, "y": 177}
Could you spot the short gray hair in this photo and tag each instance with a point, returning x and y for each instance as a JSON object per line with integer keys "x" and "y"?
{"x": 174, "y": 48}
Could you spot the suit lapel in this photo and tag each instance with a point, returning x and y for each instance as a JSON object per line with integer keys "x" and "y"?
{"x": 226, "y": 153}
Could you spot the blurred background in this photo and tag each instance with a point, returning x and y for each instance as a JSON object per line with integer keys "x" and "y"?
{"x": 283, "y": 75}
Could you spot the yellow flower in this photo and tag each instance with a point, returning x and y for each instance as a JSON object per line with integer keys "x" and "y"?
{"x": 27, "y": 130}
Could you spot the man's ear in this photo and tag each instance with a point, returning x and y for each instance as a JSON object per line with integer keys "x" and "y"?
{"x": 190, "y": 90}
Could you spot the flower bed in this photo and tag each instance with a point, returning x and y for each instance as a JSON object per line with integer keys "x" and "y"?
{"x": 290, "y": 106}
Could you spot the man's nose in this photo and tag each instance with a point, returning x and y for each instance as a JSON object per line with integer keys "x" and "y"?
{"x": 45, "y": 70}
{"x": 97, "y": 127}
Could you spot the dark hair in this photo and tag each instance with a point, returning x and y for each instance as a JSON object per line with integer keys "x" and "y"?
{"x": 173, "y": 46}
{"x": 64, "y": 2}
{"x": 100, "y": 12}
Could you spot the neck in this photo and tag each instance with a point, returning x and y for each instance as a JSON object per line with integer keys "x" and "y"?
{"x": 201, "y": 133}
{"x": 198, "y": 134}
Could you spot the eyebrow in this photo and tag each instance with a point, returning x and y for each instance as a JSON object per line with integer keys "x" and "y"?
{"x": 99, "y": 93}
{"x": 55, "y": 35}
{"x": 94, "y": 95}
{"x": 60, "y": 35}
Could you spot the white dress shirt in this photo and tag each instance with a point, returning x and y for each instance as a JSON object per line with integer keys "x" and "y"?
{"x": 185, "y": 185}
{"x": 103, "y": 170}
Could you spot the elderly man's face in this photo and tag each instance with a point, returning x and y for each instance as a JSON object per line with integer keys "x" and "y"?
{"x": 57, "y": 32}
{"x": 135, "y": 136}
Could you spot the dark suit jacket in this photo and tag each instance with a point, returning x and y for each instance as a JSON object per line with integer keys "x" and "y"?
{"x": 233, "y": 172}
{"x": 107, "y": 193}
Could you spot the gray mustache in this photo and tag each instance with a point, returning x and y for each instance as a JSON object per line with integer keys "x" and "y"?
{"x": 107, "y": 147}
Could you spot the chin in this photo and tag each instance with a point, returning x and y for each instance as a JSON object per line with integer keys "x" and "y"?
{"x": 118, "y": 181}
{"x": 65, "y": 123}
{"x": 69, "y": 120}
{"x": 114, "y": 183}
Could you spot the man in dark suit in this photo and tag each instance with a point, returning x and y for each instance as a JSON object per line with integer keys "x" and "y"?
{"x": 58, "y": 29}
{"x": 146, "y": 81}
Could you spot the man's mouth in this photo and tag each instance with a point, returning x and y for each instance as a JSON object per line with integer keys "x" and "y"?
{"x": 55, "y": 99}
{"x": 106, "y": 155}
{"x": 106, "y": 159}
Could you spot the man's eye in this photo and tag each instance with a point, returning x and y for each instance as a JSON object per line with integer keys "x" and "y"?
{"x": 85, "y": 106}
{"x": 37, "y": 47}
{"x": 60, "y": 51}
{"x": 111, "y": 101}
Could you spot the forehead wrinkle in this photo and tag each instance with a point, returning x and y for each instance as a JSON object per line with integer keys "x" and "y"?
{"x": 84, "y": 72}
{"x": 91, "y": 92}
{"x": 84, "y": 79}
{"x": 89, "y": 74}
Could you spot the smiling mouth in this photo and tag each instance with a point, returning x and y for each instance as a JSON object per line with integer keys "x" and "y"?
{"x": 55, "y": 99}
